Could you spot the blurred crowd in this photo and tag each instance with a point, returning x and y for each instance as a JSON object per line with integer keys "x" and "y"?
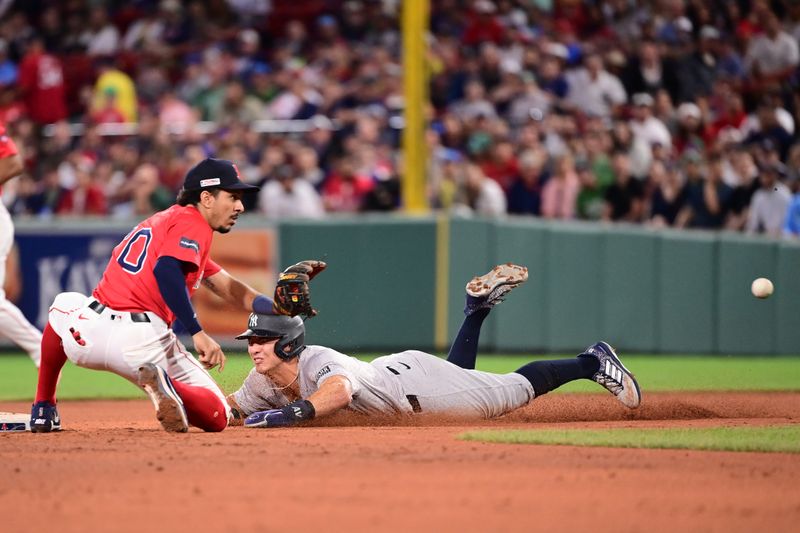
{"x": 676, "y": 113}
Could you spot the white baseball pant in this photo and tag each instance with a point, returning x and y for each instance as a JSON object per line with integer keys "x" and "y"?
{"x": 13, "y": 324}
{"x": 113, "y": 341}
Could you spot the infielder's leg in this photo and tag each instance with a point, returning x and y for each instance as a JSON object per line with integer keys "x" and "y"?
{"x": 179, "y": 374}
{"x": 111, "y": 341}
{"x": 178, "y": 403}
{"x": 44, "y": 414}
{"x": 53, "y": 360}
{"x": 206, "y": 407}
{"x": 483, "y": 293}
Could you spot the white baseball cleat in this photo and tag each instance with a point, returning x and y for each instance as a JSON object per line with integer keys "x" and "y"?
{"x": 169, "y": 406}
{"x": 613, "y": 375}
{"x": 491, "y": 288}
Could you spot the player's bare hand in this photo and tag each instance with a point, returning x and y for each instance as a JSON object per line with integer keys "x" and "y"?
{"x": 208, "y": 351}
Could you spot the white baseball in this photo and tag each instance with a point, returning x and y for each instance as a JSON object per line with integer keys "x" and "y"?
{"x": 762, "y": 288}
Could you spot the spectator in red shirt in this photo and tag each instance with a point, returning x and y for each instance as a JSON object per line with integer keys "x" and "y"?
{"x": 344, "y": 190}
{"x": 733, "y": 115}
{"x": 483, "y": 25}
{"x": 502, "y": 165}
{"x": 11, "y": 109}
{"x": 87, "y": 198}
{"x": 110, "y": 112}
{"x": 41, "y": 80}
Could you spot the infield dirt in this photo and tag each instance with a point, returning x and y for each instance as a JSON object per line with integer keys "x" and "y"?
{"x": 114, "y": 469}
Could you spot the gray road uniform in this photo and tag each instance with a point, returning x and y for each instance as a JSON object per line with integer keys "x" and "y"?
{"x": 406, "y": 382}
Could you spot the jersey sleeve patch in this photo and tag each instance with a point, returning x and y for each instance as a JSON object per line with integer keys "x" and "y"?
{"x": 182, "y": 244}
{"x": 334, "y": 369}
{"x": 318, "y": 364}
{"x": 324, "y": 370}
{"x": 330, "y": 369}
{"x": 186, "y": 242}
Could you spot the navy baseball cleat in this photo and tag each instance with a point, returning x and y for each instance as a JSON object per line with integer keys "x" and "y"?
{"x": 44, "y": 418}
{"x": 169, "y": 406}
{"x": 484, "y": 292}
{"x": 614, "y": 376}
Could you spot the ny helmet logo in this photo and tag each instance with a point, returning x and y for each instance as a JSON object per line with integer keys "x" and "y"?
{"x": 253, "y": 321}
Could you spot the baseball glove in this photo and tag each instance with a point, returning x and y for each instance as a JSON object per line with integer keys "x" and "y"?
{"x": 292, "y": 296}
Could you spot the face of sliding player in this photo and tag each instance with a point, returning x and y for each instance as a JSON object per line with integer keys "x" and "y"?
{"x": 262, "y": 353}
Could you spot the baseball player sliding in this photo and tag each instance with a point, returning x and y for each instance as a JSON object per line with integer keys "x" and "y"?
{"x": 13, "y": 323}
{"x": 125, "y": 325}
{"x": 292, "y": 382}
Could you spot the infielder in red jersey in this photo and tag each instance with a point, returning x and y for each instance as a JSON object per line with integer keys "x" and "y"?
{"x": 125, "y": 325}
{"x": 13, "y": 323}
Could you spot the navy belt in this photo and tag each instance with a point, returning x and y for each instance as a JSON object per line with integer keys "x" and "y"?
{"x": 98, "y": 308}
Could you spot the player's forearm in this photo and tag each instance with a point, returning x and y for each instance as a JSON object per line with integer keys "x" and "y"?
{"x": 237, "y": 293}
{"x": 334, "y": 395}
{"x": 241, "y": 295}
{"x": 10, "y": 167}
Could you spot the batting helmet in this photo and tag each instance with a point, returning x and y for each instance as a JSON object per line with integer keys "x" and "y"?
{"x": 289, "y": 330}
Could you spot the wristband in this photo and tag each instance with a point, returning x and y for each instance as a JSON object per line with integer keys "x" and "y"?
{"x": 300, "y": 410}
{"x": 262, "y": 305}
{"x": 289, "y": 415}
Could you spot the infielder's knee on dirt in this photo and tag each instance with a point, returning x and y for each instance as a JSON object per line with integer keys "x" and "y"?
{"x": 204, "y": 409}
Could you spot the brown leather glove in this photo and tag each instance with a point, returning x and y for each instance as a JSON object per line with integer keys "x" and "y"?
{"x": 292, "y": 296}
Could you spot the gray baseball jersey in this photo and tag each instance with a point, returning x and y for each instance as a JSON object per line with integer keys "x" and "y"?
{"x": 405, "y": 382}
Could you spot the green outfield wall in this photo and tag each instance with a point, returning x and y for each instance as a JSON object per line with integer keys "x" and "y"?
{"x": 642, "y": 290}
{"x": 396, "y": 282}
{"x": 378, "y": 290}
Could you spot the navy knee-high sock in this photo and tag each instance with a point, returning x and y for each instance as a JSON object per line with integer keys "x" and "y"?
{"x": 549, "y": 375}
{"x": 464, "y": 350}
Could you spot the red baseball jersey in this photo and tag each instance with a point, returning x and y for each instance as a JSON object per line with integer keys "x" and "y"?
{"x": 41, "y": 79}
{"x": 128, "y": 282}
{"x": 7, "y": 146}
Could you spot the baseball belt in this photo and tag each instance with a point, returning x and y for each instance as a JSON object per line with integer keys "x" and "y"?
{"x": 98, "y": 308}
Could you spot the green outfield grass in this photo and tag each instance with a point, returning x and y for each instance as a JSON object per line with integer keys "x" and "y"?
{"x": 655, "y": 373}
{"x": 735, "y": 439}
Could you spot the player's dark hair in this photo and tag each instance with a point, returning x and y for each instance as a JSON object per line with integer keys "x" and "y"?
{"x": 192, "y": 196}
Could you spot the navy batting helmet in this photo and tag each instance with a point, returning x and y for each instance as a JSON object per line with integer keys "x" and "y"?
{"x": 289, "y": 330}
